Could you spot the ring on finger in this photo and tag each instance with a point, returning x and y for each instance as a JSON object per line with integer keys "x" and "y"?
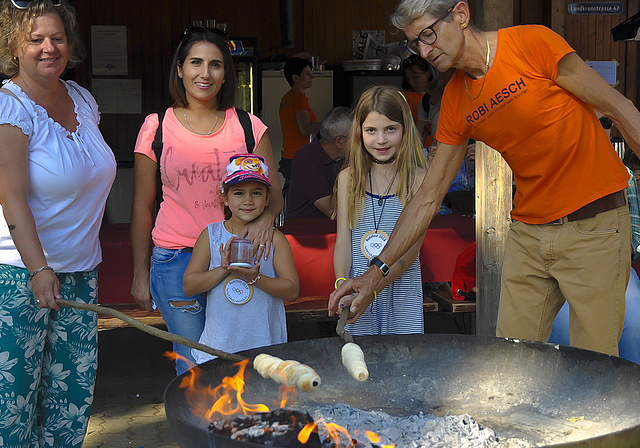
{"x": 262, "y": 245}
{"x": 38, "y": 302}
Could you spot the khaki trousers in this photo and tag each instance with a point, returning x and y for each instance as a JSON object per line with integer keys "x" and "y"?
{"x": 585, "y": 262}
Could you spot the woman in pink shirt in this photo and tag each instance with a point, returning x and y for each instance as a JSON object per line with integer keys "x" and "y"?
{"x": 199, "y": 134}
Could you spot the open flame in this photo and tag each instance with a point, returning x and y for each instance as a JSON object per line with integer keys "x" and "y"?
{"x": 375, "y": 438}
{"x": 226, "y": 399}
{"x": 335, "y": 431}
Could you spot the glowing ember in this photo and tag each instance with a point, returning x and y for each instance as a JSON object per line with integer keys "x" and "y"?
{"x": 281, "y": 427}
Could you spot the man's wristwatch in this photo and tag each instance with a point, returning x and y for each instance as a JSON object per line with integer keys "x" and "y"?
{"x": 375, "y": 261}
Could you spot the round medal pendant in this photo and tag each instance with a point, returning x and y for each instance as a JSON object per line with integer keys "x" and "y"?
{"x": 237, "y": 291}
{"x": 373, "y": 242}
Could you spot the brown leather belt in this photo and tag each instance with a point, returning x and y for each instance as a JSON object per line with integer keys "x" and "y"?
{"x": 604, "y": 204}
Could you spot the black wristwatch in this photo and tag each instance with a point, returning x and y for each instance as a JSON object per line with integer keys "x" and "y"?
{"x": 375, "y": 261}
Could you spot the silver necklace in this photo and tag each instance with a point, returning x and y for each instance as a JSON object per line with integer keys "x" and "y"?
{"x": 486, "y": 69}
{"x": 184, "y": 113}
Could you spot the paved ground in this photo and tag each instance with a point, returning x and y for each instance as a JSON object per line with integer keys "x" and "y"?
{"x": 128, "y": 410}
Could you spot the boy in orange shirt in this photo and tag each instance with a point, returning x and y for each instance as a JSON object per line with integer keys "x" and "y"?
{"x": 296, "y": 117}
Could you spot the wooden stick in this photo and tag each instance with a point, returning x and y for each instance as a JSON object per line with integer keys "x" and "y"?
{"x": 151, "y": 330}
{"x": 306, "y": 385}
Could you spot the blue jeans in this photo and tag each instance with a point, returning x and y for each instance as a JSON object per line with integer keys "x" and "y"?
{"x": 629, "y": 345}
{"x": 166, "y": 271}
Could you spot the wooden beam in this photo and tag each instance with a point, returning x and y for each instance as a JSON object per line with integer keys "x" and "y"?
{"x": 558, "y": 9}
{"x": 493, "y": 204}
{"x": 493, "y": 200}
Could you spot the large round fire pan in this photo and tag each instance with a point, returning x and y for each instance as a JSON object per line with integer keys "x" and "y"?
{"x": 546, "y": 394}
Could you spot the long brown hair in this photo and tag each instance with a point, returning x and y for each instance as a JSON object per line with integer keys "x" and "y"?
{"x": 391, "y": 103}
{"x": 227, "y": 95}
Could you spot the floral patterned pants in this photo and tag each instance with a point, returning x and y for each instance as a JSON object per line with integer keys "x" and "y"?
{"x": 48, "y": 362}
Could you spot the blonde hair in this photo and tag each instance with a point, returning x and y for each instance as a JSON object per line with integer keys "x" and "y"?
{"x": 17, "y": 25}
{"x": 391, "y": 103}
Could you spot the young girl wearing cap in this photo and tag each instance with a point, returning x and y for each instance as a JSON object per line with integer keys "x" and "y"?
{"x": 384, "y": 168}
{"x": 245, "y": 306}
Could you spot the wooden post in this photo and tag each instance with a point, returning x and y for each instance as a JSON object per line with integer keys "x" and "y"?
{"x": 493, "y": 204}
{"x": 493, "y": 200}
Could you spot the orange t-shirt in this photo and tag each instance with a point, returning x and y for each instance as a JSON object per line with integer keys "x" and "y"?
{"x": 292, "y": 139}
{"x": 560, "y": 155}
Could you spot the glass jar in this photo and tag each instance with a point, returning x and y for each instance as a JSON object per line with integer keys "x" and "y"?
{"x": 241, "y": 253}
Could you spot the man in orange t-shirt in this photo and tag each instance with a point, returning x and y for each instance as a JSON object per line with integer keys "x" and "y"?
{"x": 296, "y": 117}
{"x": 525, "y": 92}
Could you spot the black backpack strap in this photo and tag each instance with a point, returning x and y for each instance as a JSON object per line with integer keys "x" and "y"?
{"x": 157, "y": 145}
{"x": 245, "y": 121}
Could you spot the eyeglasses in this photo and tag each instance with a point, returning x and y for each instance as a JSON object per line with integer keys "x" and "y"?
{"x": 198, "y": 29}
{"x": 427, "y": 36}
{"x": 24, "y": 4}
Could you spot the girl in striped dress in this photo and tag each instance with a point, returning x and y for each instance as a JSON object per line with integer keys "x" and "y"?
{"x": 384, "y": 168}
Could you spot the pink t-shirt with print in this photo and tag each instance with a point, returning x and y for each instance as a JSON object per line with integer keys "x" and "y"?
{"x": 192, "y": 167}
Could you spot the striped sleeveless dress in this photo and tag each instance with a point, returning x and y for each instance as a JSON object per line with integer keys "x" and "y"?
{"x": 398, "y": 308}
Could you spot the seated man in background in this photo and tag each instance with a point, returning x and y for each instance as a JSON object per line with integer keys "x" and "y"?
{"x": 316, "y": 166}
{"x": 296, "y": 117}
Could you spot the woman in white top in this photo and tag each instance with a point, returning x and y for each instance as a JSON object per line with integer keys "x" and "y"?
{"x": 55, "y": 174}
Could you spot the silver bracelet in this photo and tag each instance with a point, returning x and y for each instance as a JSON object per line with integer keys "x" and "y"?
{"x": 37, "y": 271}
{"x": 254, "y": 280}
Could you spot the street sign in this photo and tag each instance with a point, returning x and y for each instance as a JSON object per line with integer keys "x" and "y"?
{"x": 581, "y": 8}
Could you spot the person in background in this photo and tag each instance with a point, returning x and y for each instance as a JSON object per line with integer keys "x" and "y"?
{"x": 199, "y": 132}
{"x": 461, "y": 196}
{"x": 423, "y": 77}
{"x": 384, "y": 169}
{"x": 316, "y": 166}
{"x": 525, "y": 92}
{"x": 245, "y": 306}
{"x": 296, "y": 117}
{"x": 412, "y": 95}
{"x": 417, "y": 77}
{"x": 56, "y": 171}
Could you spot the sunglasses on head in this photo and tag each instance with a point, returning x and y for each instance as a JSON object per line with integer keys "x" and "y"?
{"x": 414, "y": 59}
{"x": 24, "y": 4}
{"x": 198, "y": 29}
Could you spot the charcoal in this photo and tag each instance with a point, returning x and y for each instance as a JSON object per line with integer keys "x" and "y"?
{"x": 278, "y": 428}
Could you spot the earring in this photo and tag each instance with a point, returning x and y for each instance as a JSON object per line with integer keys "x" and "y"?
{"x": 179, "y": 75}
{"x": 464, "y": 25}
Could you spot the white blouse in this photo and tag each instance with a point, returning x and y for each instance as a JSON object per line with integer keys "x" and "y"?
{"x": 70, "y": 175}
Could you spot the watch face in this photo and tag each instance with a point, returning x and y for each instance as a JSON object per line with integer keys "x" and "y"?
{"x": 380, "y": 264}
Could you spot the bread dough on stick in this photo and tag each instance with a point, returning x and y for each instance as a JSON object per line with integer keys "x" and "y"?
{"x": 289, "y": 372}
{"x": 353, "y": 360}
